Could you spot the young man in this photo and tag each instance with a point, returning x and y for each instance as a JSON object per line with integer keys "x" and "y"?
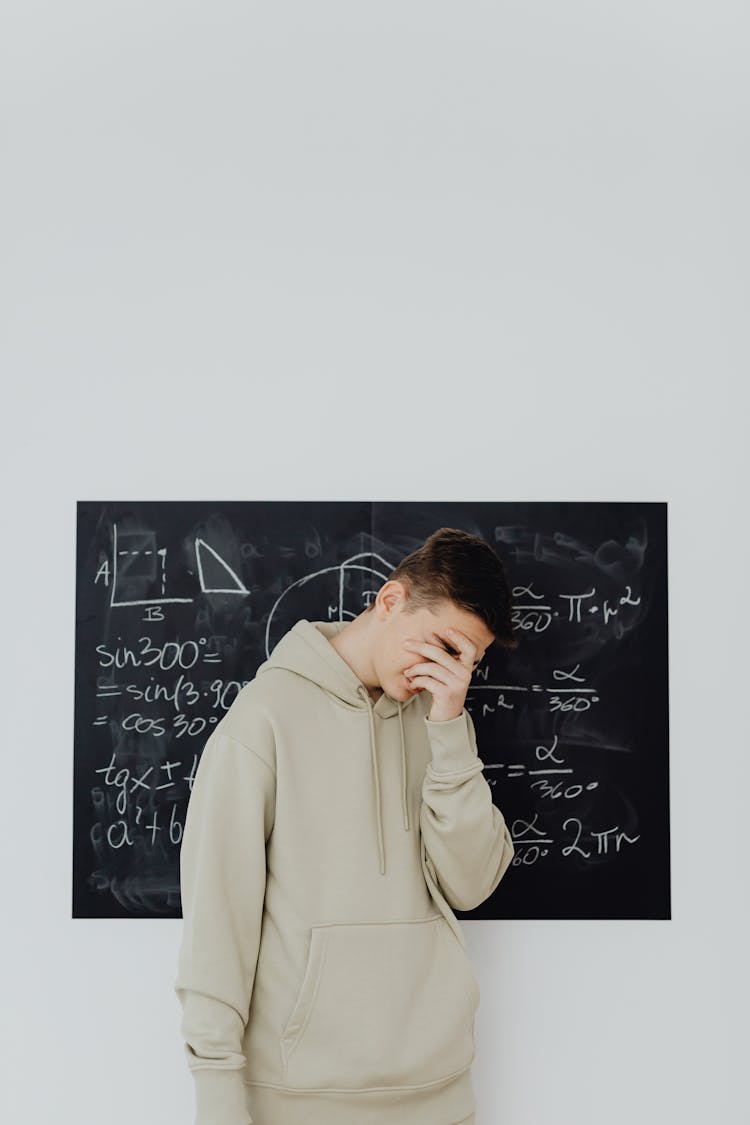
{"x": 338, "y": 813}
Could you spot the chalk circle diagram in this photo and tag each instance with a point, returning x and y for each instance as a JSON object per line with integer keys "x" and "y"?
{"x": 335, "y": 593}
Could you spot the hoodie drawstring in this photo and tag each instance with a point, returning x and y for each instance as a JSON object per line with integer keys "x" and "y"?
{"x": 376, "y": 775}
{"x": 404, "y": 802}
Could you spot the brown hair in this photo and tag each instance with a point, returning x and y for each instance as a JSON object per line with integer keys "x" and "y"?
{"x": 463, "y": 568}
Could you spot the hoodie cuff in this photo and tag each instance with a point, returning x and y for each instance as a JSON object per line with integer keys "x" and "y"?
{"x": 451, "y": 747}
{"x": 220, "y": 1096}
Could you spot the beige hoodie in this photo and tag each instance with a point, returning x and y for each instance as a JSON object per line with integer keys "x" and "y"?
{"x": 323, "y": 975}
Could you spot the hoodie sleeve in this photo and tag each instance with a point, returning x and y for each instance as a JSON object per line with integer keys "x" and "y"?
{"x": 468, "y": 843}
{"x": 222, "y": 885}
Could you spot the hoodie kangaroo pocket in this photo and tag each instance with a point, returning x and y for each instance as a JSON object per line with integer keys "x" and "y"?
{"x": 381, "y": 1004}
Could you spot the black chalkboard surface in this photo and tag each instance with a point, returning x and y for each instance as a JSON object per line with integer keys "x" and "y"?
{"x": 178, "y": 603}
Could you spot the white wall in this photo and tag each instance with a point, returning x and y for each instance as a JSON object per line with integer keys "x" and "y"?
{"x": 384, "y": 251}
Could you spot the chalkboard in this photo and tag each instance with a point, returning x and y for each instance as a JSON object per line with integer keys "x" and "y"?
{"x": 178, "y": 603}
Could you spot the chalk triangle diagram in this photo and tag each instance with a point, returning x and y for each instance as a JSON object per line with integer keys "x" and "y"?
{"x": 211, "y": 564}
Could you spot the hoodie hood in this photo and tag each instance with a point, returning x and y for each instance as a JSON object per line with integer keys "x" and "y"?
{"x": 306, "y": 650}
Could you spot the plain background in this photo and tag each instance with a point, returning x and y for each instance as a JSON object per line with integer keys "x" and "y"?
{"x": 382, "y": 251}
